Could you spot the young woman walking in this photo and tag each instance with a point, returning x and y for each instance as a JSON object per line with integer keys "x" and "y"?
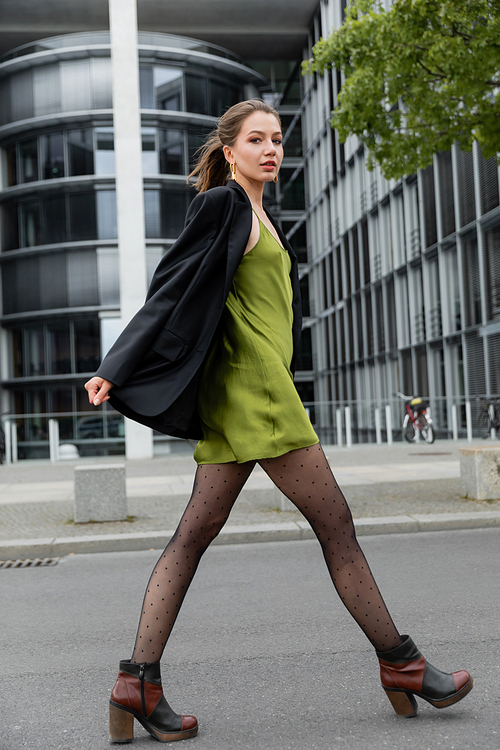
{"x": 211, "y": 356}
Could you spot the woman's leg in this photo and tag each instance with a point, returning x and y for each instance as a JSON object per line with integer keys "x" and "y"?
{"x": 305, "y": 477}
{"x": 215, "y": 490}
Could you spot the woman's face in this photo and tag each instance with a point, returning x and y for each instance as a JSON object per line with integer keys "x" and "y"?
{"x": 258, "y": 151}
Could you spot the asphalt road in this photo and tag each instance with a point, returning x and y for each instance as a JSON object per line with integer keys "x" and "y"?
{"x": 263, "y": 652}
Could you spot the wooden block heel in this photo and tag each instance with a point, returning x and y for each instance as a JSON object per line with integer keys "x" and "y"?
{"x": 403, "y": 703}
{"x": 121, "y": 724}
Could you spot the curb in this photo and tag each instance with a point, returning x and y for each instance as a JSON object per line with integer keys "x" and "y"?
{"x": 22, "y": 549}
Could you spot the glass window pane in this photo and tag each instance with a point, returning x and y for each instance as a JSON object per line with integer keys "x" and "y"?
{"x": 195, "y": 141}
{"x": 105, "y": 151}
{"x": 101, "y": 83}
{"x": 173, "y": 212}
{"x": 5, "y": 101}
{"x": 59, "y": 350}
{"x": 82, "y": 278}
{"x": 30, "y": 222}
{"x": 152, "y": 213}
{"x": 21, "y": 92}
{"x": 87, "y": 345}
{"x": 29, "y": 160}
{"x": 82, "y": 216}
{"x": 35, "y": 351}
{"x": 61, "y": 400}
{"x": 11, "y": 165}
{"x": 80, "y": 152}
{"x": 75, "y": 85}
{"x": 54, "y": 219}
{"x": 108, "y": 275}
{"x": 146, "y": 87}
{"x": 46, "y": 90}
{"x": 53, "y": 284}
{"x": 168, "y": 88}
{"x": 106, "y": 215}
{"x": 172, "y": 152}
{"x": 149, "y": 157}
{"x": 219, "y": 98}
{"x": 196, "y": 95}
{"x": 10, "y": 226}
{"x": 16, "y": 349}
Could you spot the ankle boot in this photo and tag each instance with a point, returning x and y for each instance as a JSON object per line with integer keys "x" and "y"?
{"x": 405, "y": 673}
{"x": 138, "y": 694}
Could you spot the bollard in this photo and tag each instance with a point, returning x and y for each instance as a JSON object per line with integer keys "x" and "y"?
{"x": 8, "y": 442}
{"x": 348, "y": 432}
{"x": 388, "y": 423}
{"x": 468, "y": 420}
{"x": 53, "y": 440}
{"x": 13, "y": 442}
{"x": 454, "y": 421}
{"x": 378, "y": 426}
{"x": 339, "y": 426}
{"x": 100, "y": 493}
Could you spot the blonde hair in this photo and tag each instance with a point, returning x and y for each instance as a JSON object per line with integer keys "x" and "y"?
{"x": 212, "y": 168}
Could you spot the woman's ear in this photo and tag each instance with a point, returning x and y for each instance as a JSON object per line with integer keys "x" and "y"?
{"x": 228, "y": 154}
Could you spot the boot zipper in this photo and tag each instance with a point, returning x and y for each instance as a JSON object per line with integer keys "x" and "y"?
{"x": 143, "y": 697}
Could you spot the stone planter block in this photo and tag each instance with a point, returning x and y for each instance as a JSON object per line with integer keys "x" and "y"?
{"x": 480, "y": 472}
{"x": 100, "y": 493}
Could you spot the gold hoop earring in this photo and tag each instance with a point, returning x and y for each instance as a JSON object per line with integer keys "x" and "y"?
{"x": 232, "y": 167}
{"x": 275, "y": 178}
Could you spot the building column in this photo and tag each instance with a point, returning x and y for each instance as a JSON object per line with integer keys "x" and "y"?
{"x": 129, "y": 184}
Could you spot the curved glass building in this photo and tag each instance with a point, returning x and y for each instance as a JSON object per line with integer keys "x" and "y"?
{"x": 59, "y": 249}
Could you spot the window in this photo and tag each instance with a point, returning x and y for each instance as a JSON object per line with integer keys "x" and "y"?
{"x": 11, "y": 165}
{"x": 167, "y": 88}
{"x": 80, "y": 152}
{"x": 172, "y": 152}
{"x": 106, "y": 215}
{"x": 52, "y": 156}
{"x": 196, "y": 94}
{"x": 54, "y": 218}
{"x": 446, "y": 193}
{"x": 59, "y": 348}
{"x": 149, "y": 157}
{"x": 105, "y": 151}
{"x": 429, "y": 197}
{"x": 82, "y": 216}
{"x": 29, "y": 160}
{"x": 30, "y": 223}
{"x": 87, "y": 355}
{"x": 453, "y": 290}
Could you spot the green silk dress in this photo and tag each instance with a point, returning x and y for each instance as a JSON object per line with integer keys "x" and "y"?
{"x": 248, "y": 405}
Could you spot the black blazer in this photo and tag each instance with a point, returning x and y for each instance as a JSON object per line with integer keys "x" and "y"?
{"x": 156, "y": 361}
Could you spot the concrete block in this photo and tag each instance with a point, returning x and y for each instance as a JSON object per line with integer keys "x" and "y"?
{"x": 100, "y": 493}
{"x": 480, "y": 472}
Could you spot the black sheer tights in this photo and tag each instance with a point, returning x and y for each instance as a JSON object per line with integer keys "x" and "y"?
{"x": 305, "y": 477}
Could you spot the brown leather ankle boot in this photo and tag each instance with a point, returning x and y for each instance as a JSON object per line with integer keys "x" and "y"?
{"x": 138, "y": 694}
{"x": 405, "y": 673}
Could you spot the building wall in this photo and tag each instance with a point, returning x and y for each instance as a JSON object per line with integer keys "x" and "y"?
{"x": 404, "y": 277}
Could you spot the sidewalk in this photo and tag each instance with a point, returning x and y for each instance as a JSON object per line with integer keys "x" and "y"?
{"x": 390, "y": 489}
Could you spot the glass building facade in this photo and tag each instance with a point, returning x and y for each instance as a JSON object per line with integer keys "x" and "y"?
{"x": 403, "y": 276}
{"x": 58, "y": 218}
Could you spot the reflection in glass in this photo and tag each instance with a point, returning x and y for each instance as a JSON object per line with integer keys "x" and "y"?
{"x": 152, "y": 213}
{"x": 172, "y": 151}
{"x": 59, "y": 350}
{"x": 80, "y": 152}
{"x": 82, "y": 216}
{"x": 102, "y": 83}
{"x": 46, "y": 90}
{"x": 30, "y": 222}
{"x": 35, "y": 351}
{"x": 149, "y": 157}
{"x": 16, "y": 347}
{"x": 106, "y": 215}
{"x": 196, "y": 95}
{"x": 29, "y": 160}
{"x": 54, "y": 219}
{"x": 82, "y": 278}
{"x": 146, "y": 87}
{"x": 11, "y": 165}
{"x": 75, "y": 85}
{"x": 53, "y": 284}
{"x": 87, "y": 354}
{"x": 105, "y": 151}
{"x": 168, "y": 88}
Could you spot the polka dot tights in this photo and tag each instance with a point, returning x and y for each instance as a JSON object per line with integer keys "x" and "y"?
{"x": 305, "y": 477}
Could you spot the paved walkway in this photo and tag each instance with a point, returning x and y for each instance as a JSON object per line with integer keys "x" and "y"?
{"x": 398, "y": 488}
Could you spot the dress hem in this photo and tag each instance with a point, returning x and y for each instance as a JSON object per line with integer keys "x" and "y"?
{"x": 259, "y": 457}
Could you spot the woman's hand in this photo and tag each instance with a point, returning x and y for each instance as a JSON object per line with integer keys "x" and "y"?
{"x": 98, "y": 390}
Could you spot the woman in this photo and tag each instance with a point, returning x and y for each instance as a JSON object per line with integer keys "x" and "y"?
{"x": 211, "y": 356}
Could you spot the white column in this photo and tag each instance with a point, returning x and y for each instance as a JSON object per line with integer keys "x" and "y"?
{"x": 54, "y": 440}
{"x": 129, "y": 184}
{"x": 388, "y": 423}
{"x": 378, "y": 426}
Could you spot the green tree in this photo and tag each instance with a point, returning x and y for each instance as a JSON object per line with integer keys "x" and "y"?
{"x": 417, "y": 78}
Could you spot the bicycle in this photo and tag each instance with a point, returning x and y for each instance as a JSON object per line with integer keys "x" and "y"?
{"x": 416, "y": 420}
{"x": 489, "y": 418}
